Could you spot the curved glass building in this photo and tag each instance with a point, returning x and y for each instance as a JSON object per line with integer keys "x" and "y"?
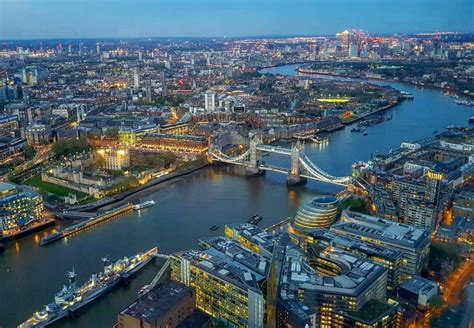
{"x": 319, "y": 213}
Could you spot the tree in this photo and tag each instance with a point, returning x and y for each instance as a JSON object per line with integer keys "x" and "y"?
{"x": 112, "y": 133}
{"x": 155, "y": 160}
{"x": 29, "y": 152}
{"x": 70, "y": 147}
{"x": 436, "y": 301}
{"x": 168, "y": 158}
{"x": 353, "y": 204}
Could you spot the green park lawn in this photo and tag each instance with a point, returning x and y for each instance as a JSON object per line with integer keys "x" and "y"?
{"x": 46, "y": 187}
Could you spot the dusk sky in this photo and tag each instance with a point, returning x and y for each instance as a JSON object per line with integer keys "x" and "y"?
{"x": 29, "y": 19}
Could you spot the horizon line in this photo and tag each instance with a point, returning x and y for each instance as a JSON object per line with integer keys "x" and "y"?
{"x": 256, "y": 36}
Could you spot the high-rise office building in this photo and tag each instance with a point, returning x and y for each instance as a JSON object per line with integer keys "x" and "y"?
{"x": 227, "y": 278}
{"x": 420, "y": 201}
{"x": 414, "y": 243}
{"x": 331, "y": 289}
{"x": 391, "y": 259}
{"x": 252, "y": 237}
{"x": 8, "y": 124}
{"x": 29, "y": 75}
{"x": 353, "y": 50}
{"x": 210, "y": 101}
{"x": 345, "y": 39}
{"x": 81, "y": 112}
{"x": 162, "y": 78}
{"x": 148, "y": 91}
{"x": 136, "y": 78}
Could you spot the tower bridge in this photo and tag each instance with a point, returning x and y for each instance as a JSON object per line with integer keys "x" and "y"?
{"x": 301, "y": 168}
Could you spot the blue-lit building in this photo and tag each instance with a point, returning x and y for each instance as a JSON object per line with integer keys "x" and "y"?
{"x": 18, "y": 208}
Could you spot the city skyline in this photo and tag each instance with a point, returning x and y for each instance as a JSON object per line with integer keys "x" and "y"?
{"x": 236, "y": 163}
{"x": 30, "y": 19}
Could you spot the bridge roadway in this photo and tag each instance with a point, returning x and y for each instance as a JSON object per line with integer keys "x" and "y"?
{"x": 274, "y": 149}
{"x": 273, "y": 168}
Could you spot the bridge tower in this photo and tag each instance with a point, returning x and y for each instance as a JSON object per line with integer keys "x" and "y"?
{"x": 255, "y": 157}
{"x": 294, "y": 176}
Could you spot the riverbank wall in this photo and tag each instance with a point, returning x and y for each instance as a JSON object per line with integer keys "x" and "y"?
{"x": 138, "y": 192}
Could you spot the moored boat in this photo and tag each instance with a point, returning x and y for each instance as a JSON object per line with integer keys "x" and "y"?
{"x": 145, "y": 204}
{"x": 255, "y": 219}
{"x": 71, "y": 297}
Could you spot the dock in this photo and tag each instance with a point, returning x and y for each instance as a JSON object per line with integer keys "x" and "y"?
{"x": 76, "y": 228}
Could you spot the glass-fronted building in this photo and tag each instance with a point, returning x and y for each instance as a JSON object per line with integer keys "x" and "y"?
{"x": 227, "y": 278}
{"x": 414, "y": 243}
{"x": 18, "y": 207}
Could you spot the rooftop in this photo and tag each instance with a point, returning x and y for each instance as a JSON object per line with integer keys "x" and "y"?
{"x": 174, "y": 136}
{"x": 158, "y": 301}
{"x": 419, "y": 285}
{"x": 381, "y": 229}
{"x": 6, "y": 187}
{"x": 328, "y": 237}
{"x": 254, "y": 234}
{"x": 372, "y": 311}
{"x": 356, "y": 273}
{"x": 227, "y": 260}
{"x": 4, "y": 118}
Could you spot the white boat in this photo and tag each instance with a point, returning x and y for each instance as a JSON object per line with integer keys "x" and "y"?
{"x": 145, "y": 204}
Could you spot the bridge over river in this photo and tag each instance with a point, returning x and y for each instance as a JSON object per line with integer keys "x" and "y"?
{"x": 301, "y": 167}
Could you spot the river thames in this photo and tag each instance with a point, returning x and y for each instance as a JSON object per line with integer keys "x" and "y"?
{"x": 30, "y": 275}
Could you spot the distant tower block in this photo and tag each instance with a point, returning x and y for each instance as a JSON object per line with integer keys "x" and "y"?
{"x": 210, "y": 101}
{"x": 136, "y": 79}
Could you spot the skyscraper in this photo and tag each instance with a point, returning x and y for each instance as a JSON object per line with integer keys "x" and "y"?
{"x": 162, "y": 78}
{"x": 420, "y": 201}
{"x": 136, "y": 80}
{"x": 210, "y": 101}
{"x": 148, "y": 91}
{"x": 353, "y": 50}
{"x": 345, "y": 39}
{"x": 81, "y": 112}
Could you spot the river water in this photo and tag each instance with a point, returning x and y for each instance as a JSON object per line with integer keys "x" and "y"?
{"x": 184, "y": 211}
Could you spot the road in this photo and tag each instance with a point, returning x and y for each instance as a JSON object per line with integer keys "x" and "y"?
{"x": 455, "y": 283}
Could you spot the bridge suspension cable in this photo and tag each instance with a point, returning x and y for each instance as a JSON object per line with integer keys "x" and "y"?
{"x": 312, "y": 169}
{"x": 319, "y": 173}
{"x": 224, "y": 158}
